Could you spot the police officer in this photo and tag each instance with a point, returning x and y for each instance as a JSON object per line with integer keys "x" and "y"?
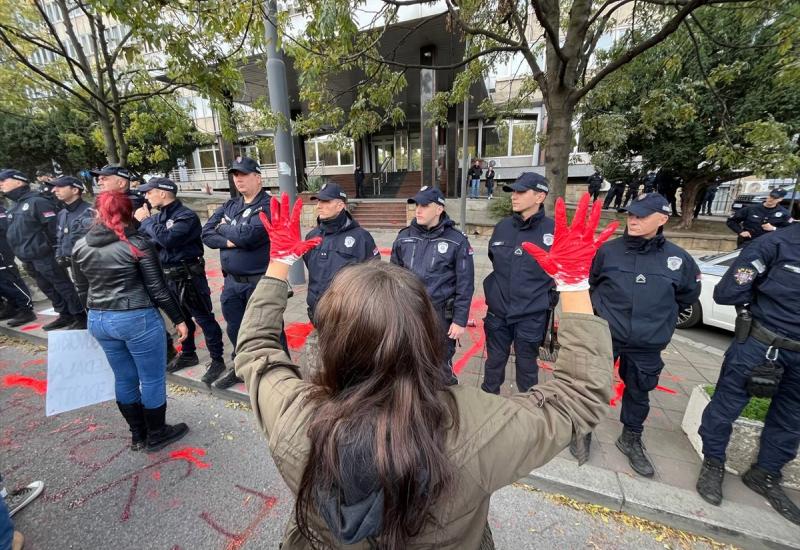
{"x": 441, "y": 257}
{"x": 518, "y": 292}
{"x": 631, "y": 190}
{"x": 595, "y": 182}
{"x": 32, "y": 236}
{"x": 615, "y": 194}
{"x": 175, "y": 231}
{"x": 764, "y": 361}
{"x": 358, "y": 174}
{"x": 45, "y": 180}
{"x": 74, "y": 220}
{"x": 236, "y": 230}
{"x": 344, "y": 242}
{"x": 649, "y": 182}
{"x": 638, "y": 284}
{"x": 751, "y": 222}
{"x": 113, "y": 177}
{"x": 18, "y": 306}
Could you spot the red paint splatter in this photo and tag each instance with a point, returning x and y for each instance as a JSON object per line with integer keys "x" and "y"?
{"x": 12, "y": 380}
{"x": 178, "y": 347}
{"x": 476, "y": 334}
{"x": 28, "y": 328}
{"x": 213, "y": 273}
{"x": 619, "y": 386}
{"x": 666, "y": 390}
{"x": 238, "y": 540}
{"x": 385, "y": 251}
{"x": 33, "y": 362}
{"x": 190, "y": 454}
{"x": 156, "y": 475}
{"x": 544, "y": 365}
{"x": 126, "y": 511}
{"x": 297, "y": 333}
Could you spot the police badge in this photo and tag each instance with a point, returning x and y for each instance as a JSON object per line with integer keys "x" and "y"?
{"x": 442, "y": 247}
{"x": 744, "y": 275}
{"x": 169, "y": 224}
{"x": 246, "y": 213}
{"x": 674, "y": 263}
{"x": 349, "y": 241}
{"x": 26, "y": 206}
{"x": 547, "y": 239}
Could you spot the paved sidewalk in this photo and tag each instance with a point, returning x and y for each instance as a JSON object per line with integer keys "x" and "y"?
{"x": 744, "y": 518}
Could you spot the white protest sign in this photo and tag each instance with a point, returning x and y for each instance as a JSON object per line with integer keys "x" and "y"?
{"x": 78, "y": 374}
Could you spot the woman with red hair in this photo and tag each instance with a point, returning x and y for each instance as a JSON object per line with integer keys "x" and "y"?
{"x": 119, "y": 281}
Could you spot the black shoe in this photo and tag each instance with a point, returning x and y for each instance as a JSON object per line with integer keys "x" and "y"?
{"x": 183, "y": 360}
{"x": 580, "y": 447}
{"x": 79, "y": 323}
{"x": 215, "y": 369}
{"x": 630, "y": 444}
{"x": 63, "y": 320}
{"x": 160, "y": 434}
{"x": 171, "y": 353}
{"x": 23, "y": 316}
{"x": 7, "y": 311}
{"x": 769, "y": 486}
{"x": 709, "y": 482}
{"x": 134, "y": 416}
{"x": 230, "y": 379}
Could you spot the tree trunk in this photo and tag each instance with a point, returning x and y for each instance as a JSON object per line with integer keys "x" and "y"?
{"x": 109, "y": 142}
{"x": 689, "y": 200}
{"x": 558, "y": 145}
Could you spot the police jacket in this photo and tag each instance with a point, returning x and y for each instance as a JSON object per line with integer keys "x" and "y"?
{"x": 649, "y": 183}
{"x": 6, "y": 254}
{"x": 442, "y": 258}
{"x": 109, "y": 277}
{"x": 638, "y": 285}
{"x": 175, "y": 231}
{"x": 517, "y": 289}
{"x": 750, "y": 219}
{"x": 73, "y": 222}
{"x": 31, "y": 224}
{"x": 767, "y": 276}
{"x": 595, "y": 181}
{"x": 344, "y": 242}
{"x": 239, "y": 223}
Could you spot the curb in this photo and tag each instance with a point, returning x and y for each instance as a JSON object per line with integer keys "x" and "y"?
{"x": 689, "y": 342}
{"x": 738, "y": 524}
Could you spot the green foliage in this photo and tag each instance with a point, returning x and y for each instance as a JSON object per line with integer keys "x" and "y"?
{"x": 500, "y": 207}
{"x": 756, "y": 408}
{"x": 314, "y": 183}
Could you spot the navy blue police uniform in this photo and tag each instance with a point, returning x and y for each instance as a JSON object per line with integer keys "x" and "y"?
{"x": 595, "y": 182}
{"x": 442, "y": 258}
{"x": 766, "y": 275}
{"x": 638, "y": 285}
{"x": 614, "y": 194}
{"x": 73, "y": 221}
{"x": 751, "y": 218}
{"x": 631, "y": 190}
{"x": 244, "y": 264}
{"x": 344, "y": 242}
{"x": 518, "y": 293}
{"x": 649, "y": 183}
{"x": 19, "y": 308}
{"x": 32, "y": 235}
{"x": 175, "y": 231}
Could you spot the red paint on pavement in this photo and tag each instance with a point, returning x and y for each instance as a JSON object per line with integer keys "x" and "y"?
{"x": 190, "y": 454}
{"x": 238, "y": 540}
{"x": 385, "y": 251}
{"x": 156, "y": 475}
{"x": 666, "y": 390}
{"x": 213, "y": 273}
{"x": 297, "y": 333}
{"x": 28, "y": 328}
{"x": 16, "y": 380}
{"x": 476, "y": 334}
{"x": 33, "y": 362}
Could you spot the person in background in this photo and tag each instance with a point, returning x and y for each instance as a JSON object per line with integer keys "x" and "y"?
{"x": 490, "y": 181}
{"x": 751, "y": 222}
{"x": 474, "y": 177}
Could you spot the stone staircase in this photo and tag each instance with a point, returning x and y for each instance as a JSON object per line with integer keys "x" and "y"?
{"x": 380, "y": 213}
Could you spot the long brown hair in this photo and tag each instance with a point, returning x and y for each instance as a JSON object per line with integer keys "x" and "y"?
{"x": 380, "y": 388}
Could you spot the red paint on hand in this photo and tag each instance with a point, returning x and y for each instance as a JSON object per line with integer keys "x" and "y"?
{"x": 16, "y": 380}
{"x": 297, "y": 333}
{"x": 190, "y": 454}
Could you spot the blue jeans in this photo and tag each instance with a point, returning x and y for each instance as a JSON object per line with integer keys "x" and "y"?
{"x": 475, "y": 188}
{"x": 135, "y": 344}
{"x": 6, "y": 526}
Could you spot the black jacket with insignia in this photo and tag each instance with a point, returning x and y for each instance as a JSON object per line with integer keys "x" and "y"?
{"x": 175, "y": 231}
{"x": 74, "y": 221}
{"x": 31, "y": 224}
{"x": 750, "y": 218}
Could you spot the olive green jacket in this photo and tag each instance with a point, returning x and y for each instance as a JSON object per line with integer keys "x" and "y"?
{"x": 499, "y": 439}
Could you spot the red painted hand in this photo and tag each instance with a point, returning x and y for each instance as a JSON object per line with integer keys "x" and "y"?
{"x": 570, "y": 258}
{"x": 286, "y": 245}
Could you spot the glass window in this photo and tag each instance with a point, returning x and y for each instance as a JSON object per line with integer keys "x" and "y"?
{"x": 523, "y": 138}
{"x": 311, "y": 153}
{"x": 266, "y": 150}
{"x": 207, "y": 159}
{"x": 327, "y": 153}
{"x": 346, "y": 155}
{"x": 472, "y": 142}
{"x": 495, "y": 141}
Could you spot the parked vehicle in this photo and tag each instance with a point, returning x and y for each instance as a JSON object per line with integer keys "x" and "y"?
{"x": 706, "y": 310}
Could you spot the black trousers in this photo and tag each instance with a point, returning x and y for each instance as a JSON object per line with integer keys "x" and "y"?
{"x": 526, "y": 336}
{"x": 54, "y": 281}
{"x": 201, "y": 311}
{"x": 14, "y": 289}
{"x": 640, "y": 371}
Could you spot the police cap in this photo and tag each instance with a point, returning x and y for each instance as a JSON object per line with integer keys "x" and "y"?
{"x": 112, "y": 170}
{"x": 14, "y": 174}
{"x": 427, "y": 195}
{"x": 165, "y": 184}
{"x": 777, "y": 193}
{"x": 529, "y": 180}
{"x": 329, "y": 192}
{"x": 67, "y": 181}
{"x": 245, "y": 165}
{"x": 649, "y": 203}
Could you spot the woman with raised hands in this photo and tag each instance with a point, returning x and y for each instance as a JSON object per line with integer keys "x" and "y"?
{"x": 378, "y": 451}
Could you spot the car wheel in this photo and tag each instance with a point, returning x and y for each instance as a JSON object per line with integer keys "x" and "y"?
{"x": 690, "y": 316}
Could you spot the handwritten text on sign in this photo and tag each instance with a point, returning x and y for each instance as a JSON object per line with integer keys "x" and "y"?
{"x": 78, "y": 374}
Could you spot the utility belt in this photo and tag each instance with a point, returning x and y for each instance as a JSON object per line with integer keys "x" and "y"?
{"x": 186, "y": 269}
{"x": 766, "y": 336}
{"x": 243, "y": 278}
{"x": 765, "y": 377}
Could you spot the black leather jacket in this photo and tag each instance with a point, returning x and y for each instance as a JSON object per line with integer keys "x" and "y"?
{"x": 109, "y": 278}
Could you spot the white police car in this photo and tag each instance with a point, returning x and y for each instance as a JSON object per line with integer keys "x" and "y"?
{"x": 706, "y": 310}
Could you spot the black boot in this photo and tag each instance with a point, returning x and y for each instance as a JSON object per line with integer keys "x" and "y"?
{"x": 160, "y": 434}
{"x": 215, "y": 369}
{"x": 580, "y": 447}
{"x": 63, "y": 320}
{"x": 79, "y": 323}
{"x": 134, "y": 416}
{"x": 230, "y": 379}
{"x": 183, "y": 360}
{"x": 709, "y": 482}
{"x": 630, "y": 444}
{"x": 769, "y": 486}
{"x": 7, "y": 311}
{"x": 23, "y": 316}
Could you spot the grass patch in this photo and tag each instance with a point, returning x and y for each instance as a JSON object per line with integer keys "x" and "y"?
{"x": 756, "y": 409}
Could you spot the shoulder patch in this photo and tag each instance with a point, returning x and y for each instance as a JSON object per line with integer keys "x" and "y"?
{"x": 744, "y": 275}
{"x": 47, "y": 213}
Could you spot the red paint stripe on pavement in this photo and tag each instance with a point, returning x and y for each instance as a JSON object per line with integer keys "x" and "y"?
{"x": 190, "y": 454}
{"x": 15, "y": 380}
{"x": 666, "y": 390}
{"x": 476, "y": 334}
{"x": 28, "y": 328}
